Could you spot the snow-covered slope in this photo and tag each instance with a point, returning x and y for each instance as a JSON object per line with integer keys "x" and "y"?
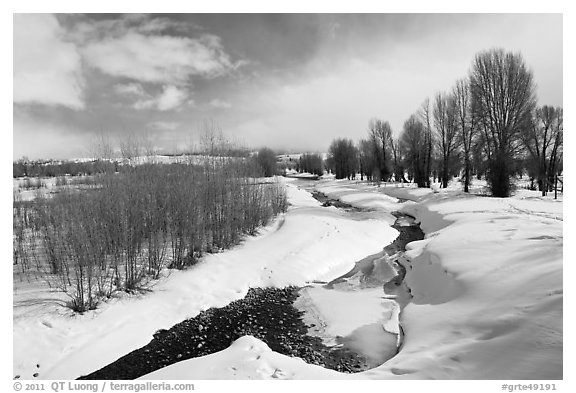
{"x": 487, "y": 291}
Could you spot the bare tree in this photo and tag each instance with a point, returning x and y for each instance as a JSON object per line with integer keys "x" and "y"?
{"x": 366, "y": 159}
{"x": 558, "y": 150}
{"x": 148, "y": 147}
{"x": 426, "y": 117}
{"x": 266, "y": 159}
{"x": 343, "y": 158}
{"x": 311, "y": 163}
{"x": 101, "y": 147}
{"x": 503, "y": 97}
{"x": 413, "y": 142}
{"x": 381, "y": 136}
{"x": 543, "y": 141}
{"x": 397, "y": 164}
{"x": 467, "y": 126}
{"x": 130, "y": 148}
{"x": 212, "y": 140}
{"x": 446, "y": 131}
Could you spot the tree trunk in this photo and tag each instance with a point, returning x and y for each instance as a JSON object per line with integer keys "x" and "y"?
{"x": 445, "y": 173}
{"x": 428, "y": 159}
{"x": 466, "y": 173}
{"x": 556, "y": 187}
{"x": 499, "y": 177}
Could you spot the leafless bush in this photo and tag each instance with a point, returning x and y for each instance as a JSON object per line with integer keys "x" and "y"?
{"x": 33, "y": 184}
{"x": 61, "y": 181}
{"x": 116, "y": 236}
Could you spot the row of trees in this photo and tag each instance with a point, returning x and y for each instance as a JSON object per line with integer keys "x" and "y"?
{"x": 265, "y": 159}
{"x": 488, "y": 125}
{"x": 108, "y": 155}
{"x": 343, "y": 158}
{"x": 27, "y": 168}
{"x": 311, "y": 163}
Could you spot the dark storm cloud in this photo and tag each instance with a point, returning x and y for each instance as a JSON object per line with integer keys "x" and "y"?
{"x": 268, "y": 41}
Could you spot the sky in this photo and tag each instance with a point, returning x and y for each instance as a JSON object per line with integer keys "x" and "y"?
{"x": 288, "y": 81}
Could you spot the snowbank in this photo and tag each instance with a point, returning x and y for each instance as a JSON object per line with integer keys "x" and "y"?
{"x": 487, "y": 287}
{"x": 246, "y": 358}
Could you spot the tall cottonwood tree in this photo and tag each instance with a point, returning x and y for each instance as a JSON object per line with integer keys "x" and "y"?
{"x": 543, "y": 141}
{"x": 445, "y": 113}
{"x": 503, "y": 97}
{"x": 397, "y": 163}
{"x": 343, "y": 158}
{"x": 556, "y": 157}
{"x": 466, "y": 126}
{"x": 413, "y": 142}
{"x": 426, "y": 117}
{"x": 366, "y": 159}
{"x": 380, "y": 134}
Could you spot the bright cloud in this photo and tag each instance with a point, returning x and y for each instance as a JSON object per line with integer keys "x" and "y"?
{"x": 47, "y": 69}
{"x": 159, "y": 59}
{"x": 134, "y": 89}
{"x": 218, "y": 103}
{"x": 171, "y": 97}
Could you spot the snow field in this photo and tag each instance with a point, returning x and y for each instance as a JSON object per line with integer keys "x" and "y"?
{"x": 486, "y": 280}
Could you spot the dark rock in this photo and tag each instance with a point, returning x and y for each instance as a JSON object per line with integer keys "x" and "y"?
{"x": 265, "y": 313}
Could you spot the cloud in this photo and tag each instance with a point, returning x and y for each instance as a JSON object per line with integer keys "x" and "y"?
{"x": 131, "y": 89}
{"x": 159, "y": 58}
{"x": 47, "y": 69}
{"x": 171, "y": 97}
{"x": 218, "y": 103}
{"x": 84, "y": 29}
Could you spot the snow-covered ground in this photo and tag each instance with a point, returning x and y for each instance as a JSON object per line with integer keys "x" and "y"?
{"x": 307, "y": 243}
{"x": 486, "y": 280}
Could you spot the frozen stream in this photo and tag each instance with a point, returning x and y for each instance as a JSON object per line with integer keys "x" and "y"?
{"x": 360, "y": 311}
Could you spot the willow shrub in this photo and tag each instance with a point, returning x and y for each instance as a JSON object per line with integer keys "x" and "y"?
{"x": 127, "y": 229}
